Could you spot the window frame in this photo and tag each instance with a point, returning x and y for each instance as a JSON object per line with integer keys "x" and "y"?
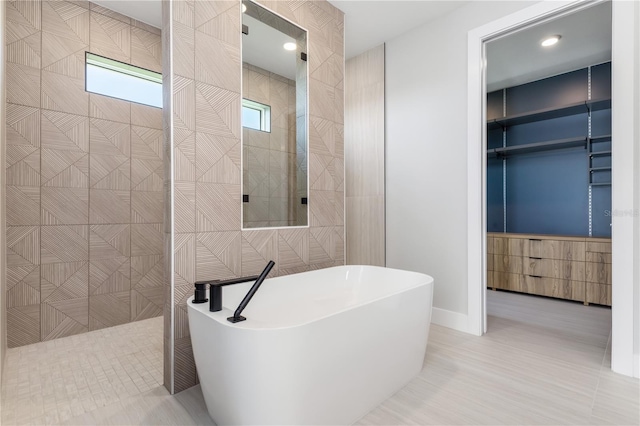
{"x": 265, "y": 114}
{"x": 92, "y": 59}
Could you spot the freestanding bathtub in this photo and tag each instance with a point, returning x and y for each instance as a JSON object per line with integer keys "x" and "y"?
{"x": 320, "y": 347}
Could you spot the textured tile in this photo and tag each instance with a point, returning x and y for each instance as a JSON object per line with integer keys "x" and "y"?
{"x": 110, "y": 138}
{"x": 25, "y": 17}
{"x": 143, "y": 303}
{"x": 110, "y": 37}
{"x": 322, "y": 100}
{"x": 109, "y": 275}
{"x": 217, "y": 207}
{"x": 25, "y": 85}
{"x": 184, "y": 108}
{"x": 110, "y": 172}
{"x": 64, "y": 94}
{"x": 23, "y": 205}
{"x": 64, "y": 131}
{"x": 258, "y": 248}
{"x": 321, "y": 245}
{"x": 106, "y": 108}
{"x": 23, "y": 325}
{"x": 109, "y": 206}
{"x": 183, "y": 48}
{"x": 63, "y": 318}
{"x": 216, "y": 62}
{"x": 147, "y": 272}
{"x": 146, "y": 239}
{"x": 217, "y": 159}
{"x": 24, "y": 51}
{"x": 218, "y": 255}
{"x": 293, "y": 248}
{"x": 217, "y": 111}
{"x": 184, "y": 155}
{"x": 64, "y": 243}
{"x": 23, "y": 246}
{"x": 64, "y": 206}
{"x": 184, "y": 206}
{"x": 110, "y": 13}
{"x": 146, "y": 116}
{"x": 146, "y": 207}
{"x": 63, "y": 281}
{"x": 108, "y": 310}
{"x": 109, "y": 241}
{"x": 322, "y": 208}
{"x": 146, "y": 49}
{"x": 65, "y": 20}
{"x": 23, "y": 286}
{"x": 185, "y": 259}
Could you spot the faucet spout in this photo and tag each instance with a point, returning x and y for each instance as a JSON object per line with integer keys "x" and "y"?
{"x": 254, "y": 288}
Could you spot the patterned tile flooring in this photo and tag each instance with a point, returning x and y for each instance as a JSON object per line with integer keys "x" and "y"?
{"x": 51, "y": 382}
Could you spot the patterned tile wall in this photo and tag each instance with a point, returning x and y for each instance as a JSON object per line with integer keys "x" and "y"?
{"x": 84, "y": 175}
{"x": 206, "y": 238}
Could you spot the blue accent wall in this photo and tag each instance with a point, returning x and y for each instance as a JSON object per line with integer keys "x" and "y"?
{"x": 547, "y": 192}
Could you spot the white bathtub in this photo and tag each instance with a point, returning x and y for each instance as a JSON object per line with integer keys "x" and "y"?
{"x": 321, "y": 347}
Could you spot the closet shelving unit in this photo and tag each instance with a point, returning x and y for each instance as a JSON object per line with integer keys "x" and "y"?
{"x": 593, "y": 170}
{"x": 547, "y": 114}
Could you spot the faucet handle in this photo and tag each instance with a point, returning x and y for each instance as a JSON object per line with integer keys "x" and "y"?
{"x": 200, "y": 294}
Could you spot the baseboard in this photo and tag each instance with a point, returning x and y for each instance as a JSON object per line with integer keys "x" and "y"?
{"x": 450, "y": 319}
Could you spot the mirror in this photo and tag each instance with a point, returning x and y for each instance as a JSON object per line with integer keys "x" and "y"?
{"x": 274, "y": 120}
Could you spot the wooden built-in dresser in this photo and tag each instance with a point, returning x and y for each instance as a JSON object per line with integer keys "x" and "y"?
{"x": 574, "y": 268}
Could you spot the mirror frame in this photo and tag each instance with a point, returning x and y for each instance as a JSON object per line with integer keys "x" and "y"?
{"x": 258, "y": 6}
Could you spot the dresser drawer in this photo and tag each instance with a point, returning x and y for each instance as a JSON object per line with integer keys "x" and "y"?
{"x": 507, "y": 281}
{"x": 504, "y": 263}
{"x": 490, "y": 258}
{"x": 553, "y": 287}
{"x": 596, "y": 257}
{"x": 490, "y": 249}
{"x": 599, "y": 246}
{"x": 551, "y": 268}
{"x": 508, "y": 246}
{"x": 599, "y": 273}
{"x": 599, "y": 294}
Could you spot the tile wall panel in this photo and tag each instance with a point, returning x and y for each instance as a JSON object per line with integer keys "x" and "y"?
{"x": 77, "y": 260}
{"x": 203, "y": 151}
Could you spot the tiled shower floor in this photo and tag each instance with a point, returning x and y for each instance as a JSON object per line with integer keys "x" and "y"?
{"x": 51, "y": 382}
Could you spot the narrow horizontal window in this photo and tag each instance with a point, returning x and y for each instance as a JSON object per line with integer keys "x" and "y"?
{"x": 256, "y": 115}
{"x": 123, "y": 81}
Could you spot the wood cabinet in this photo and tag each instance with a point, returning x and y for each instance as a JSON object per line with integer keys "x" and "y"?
{"x": 574, "y": 268}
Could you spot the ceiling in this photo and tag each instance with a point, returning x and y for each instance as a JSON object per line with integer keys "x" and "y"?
{"x": 262, "y": 47}
{"x": 519, "y": 58}
{"x": 513, "y": 59}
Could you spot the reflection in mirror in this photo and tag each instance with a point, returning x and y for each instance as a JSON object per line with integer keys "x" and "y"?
{"x": 274, "y": 120}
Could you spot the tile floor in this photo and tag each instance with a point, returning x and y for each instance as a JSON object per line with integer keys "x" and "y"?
{"x": 542, "y": 362}
{"x": 51, "y": 382}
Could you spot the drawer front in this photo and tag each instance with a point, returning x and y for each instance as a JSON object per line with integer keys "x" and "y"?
{"x": 599, "y": 293}
{"x": 599, "y": 247}
{"x": 553, "y": 287}
{"x": 490, "y": 249}
{"x": 598, "y": 257}
{"x": 507, "y": 281}
{"x": 508, "y": 246}
{"x": 490, "y": 259}
{"x": 504, "y": 263}
{"x": 562, "y": 250}
{"x": 551, "y": 268}
{"x": 598, "y": 273}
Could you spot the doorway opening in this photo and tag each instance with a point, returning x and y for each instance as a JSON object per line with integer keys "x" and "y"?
{"x": 547, "y": 167}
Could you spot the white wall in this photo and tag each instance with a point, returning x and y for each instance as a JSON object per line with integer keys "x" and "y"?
{"x": 426, "y": 152}
{"x": 625, "y": 203}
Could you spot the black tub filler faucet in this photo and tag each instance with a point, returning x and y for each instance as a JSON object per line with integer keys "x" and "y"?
{"x": 215, "y": 292}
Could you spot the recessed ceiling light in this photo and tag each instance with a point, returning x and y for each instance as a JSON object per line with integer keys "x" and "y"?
{"x": 244, "y": 8}
{"x": 550, "y": 41}
{"x": 289, "y": 46}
